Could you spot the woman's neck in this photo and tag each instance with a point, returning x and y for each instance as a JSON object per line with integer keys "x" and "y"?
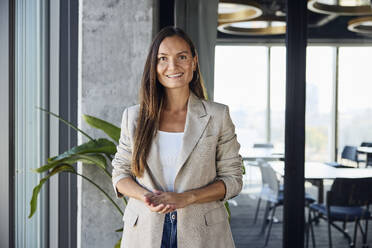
{"x": 176, "y": 100}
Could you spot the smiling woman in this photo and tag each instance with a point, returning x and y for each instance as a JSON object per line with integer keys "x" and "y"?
{"x": 175, "y": 63}
{"x": 178, "y": 157}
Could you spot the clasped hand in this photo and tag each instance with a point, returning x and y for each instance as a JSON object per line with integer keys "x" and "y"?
{"x": 165, "y": 202}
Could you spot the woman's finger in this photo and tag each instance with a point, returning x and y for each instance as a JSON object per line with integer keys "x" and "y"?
{"x": 171, "y": 208}
{"x": 158, "y": 200}
{"x": 158, "y": 208}
{"x": 151, "y": 204}
{"x": 165, "y": 209}
{"x": 147, "y": 199}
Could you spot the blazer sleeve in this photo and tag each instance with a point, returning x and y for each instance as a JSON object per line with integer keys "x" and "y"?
{"x": 122, "y": 161}
{"x": 228, "y": 160}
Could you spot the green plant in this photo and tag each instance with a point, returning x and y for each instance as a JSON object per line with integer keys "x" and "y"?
{"x": 97, "y": 152}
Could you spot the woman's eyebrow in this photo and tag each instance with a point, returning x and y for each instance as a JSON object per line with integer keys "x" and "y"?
{"x": 177, "y": 53}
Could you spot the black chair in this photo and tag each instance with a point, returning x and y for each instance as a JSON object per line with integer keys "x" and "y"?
{"x": 368, "y": 160}
{"x": 366, "y": 144}
{"x": 349, "y": 153}
{"x": 347, "y": 201}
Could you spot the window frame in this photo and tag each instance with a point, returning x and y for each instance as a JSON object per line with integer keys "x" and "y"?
{"x": 7, "y": 123}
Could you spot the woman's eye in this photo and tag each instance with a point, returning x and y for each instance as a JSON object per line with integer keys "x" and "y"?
{"x": 183, "y": 57}
{"x": 162, "y": 58}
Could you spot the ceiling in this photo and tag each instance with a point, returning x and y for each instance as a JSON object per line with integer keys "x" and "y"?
{"x": 322, "y": 28}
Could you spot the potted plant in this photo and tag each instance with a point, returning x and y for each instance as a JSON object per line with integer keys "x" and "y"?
{"x": 98, "y": 152}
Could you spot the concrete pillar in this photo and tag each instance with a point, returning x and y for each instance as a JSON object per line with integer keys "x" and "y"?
{"x": 115, "y": 37}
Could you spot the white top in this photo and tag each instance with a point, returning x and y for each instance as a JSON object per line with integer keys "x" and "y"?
{"x": 169, "y": 146}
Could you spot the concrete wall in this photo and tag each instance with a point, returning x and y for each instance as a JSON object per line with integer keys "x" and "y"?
{"x": 115, "y": 36}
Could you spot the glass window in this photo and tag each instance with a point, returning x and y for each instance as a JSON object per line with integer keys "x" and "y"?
{"x": 241, "y": 83}
{"x": 318, "y": 100}
{"x": 319, "y": 83}
{"x": 277, "y": 95}
{"x": 354, "y": 101}
{"x": 30, "y": 123}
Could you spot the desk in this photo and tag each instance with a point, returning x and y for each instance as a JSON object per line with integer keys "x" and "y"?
{"x": 267, "y": 154}
{"x": 365, "y": 150}
{"x": 316, "y": 171}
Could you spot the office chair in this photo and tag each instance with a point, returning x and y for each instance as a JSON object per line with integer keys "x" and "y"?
{"x": 347, "y": 201}
{"x": 273, "y": 195}
{"x": 368, "y": 160}
{"x": 349, "y": 153}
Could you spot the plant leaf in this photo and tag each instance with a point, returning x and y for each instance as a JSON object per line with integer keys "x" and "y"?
{"x": 117, "y": 245}
{"x": 97, "y": 146}
{"x": 96, "y": 159}
{"x": 66, "y": 122}
{"x": 227, "y": 206}
{"x": 111, "y": 130}
{"x": 119, "y": 230}
{"x": 36, "y": 191}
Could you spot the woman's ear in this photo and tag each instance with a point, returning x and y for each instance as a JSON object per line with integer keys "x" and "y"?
{"x": 194, "y": 63}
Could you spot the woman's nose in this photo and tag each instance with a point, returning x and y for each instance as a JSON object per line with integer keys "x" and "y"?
{"x": 172, "y": 64}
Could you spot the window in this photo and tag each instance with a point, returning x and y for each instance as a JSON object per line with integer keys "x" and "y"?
{"x": 277, "y": 95}
{"x": 354, "y": 101}
{"x": 241, "y": 83}
{"x": 30, "y": 123}
{"x": 319, "y": 83}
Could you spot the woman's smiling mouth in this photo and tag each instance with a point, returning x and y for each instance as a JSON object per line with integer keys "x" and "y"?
{"x": 175, "y": 75}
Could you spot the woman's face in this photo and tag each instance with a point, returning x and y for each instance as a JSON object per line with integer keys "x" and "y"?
{"x": 175, "y": 65}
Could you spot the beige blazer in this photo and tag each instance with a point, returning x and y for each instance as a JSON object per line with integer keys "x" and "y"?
{"x": 209, "y": 152}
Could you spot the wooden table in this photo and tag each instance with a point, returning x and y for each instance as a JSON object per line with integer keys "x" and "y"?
{"x": 317, "y": 172}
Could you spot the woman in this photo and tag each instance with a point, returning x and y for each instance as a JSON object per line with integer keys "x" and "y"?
{"x": 177, "y": 159}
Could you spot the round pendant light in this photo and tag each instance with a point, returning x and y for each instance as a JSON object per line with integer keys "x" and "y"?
{"x": 258, "y": 26}
{"x": 341, "y": 7}
{"x": 233, "y": 11}
{"x": 361, "y": 25}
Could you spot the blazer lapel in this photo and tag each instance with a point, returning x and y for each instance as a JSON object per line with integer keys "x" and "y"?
{"x": 155, "y": 167}
{"x": 196, "y": 121}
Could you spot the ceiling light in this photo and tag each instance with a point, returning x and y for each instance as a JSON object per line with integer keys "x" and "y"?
{"x": 258, "y": 26}
{"x": 341, "y": 7}
{"x": 361, "y": 25}
{"x": 230, "y": 11}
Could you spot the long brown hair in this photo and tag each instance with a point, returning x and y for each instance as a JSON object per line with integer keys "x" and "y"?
{"x": 151, "y": 98}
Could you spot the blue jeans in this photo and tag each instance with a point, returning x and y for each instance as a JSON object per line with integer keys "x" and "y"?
{"x": 169, "y": 239}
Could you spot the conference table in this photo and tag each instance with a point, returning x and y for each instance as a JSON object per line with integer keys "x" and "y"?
{"x": 365, "y": 150}
{"x": 316, "y": 172}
